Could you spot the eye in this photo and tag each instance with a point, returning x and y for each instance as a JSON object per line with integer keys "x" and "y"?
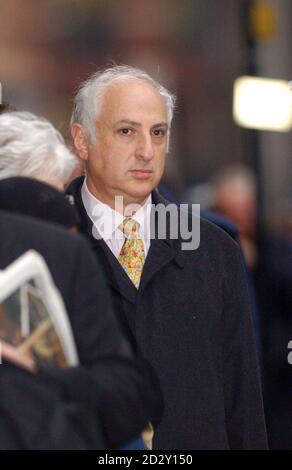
{"x": 125, "y": 131}
{"x": 159, "y": 132}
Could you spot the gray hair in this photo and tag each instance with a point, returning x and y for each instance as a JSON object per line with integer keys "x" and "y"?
{"x": 30, "y": 144}
{"x": 87, "y": 102}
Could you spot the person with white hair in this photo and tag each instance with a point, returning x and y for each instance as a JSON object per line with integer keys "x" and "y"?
{"x": 186, "y": 310}
{"x": 30, "y": 146}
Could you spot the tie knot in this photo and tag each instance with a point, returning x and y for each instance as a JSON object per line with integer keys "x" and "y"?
{"x": 130, "y": 227}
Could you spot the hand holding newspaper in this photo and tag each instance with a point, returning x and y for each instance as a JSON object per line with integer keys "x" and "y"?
{"x": 34, "y": 327}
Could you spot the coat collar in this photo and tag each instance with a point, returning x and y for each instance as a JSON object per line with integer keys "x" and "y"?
{"x": 161, "y": 252}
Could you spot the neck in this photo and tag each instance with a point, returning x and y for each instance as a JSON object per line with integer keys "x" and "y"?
{"x": 121, "y": 203}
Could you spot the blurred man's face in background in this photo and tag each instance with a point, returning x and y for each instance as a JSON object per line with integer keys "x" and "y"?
{"x": 131, "y": 140}
{"x": 236, "y": 199}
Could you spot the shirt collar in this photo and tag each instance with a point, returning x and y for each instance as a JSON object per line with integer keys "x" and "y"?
{"x": 107, "y": 220}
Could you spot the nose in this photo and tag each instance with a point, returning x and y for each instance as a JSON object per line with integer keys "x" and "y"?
{"x": 145, "y": 148}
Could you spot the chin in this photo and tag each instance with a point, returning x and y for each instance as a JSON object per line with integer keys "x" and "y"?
{"x": 140, "y": 193}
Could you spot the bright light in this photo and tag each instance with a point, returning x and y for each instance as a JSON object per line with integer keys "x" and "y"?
{"x": 262, "y": 103}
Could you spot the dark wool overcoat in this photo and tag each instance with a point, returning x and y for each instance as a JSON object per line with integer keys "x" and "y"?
{"x": 191, "y": 319}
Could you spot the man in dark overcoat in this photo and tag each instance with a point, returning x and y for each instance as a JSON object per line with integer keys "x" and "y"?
{"x": 179, "y": 289}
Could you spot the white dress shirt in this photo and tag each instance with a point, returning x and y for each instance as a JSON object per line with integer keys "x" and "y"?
{"x": 107, "y": 221}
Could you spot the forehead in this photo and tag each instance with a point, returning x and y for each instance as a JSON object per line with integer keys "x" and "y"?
{"x": 132, "y": 99}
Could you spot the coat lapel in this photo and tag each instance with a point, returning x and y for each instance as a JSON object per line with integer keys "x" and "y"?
{"x": 162, "y": 251}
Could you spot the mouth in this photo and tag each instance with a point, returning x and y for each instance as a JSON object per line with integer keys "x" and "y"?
{"x": 141, "y": 174}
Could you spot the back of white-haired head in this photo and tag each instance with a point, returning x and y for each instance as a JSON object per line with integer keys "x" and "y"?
{"x": 30, "y": 145}
{"x": 87, "y": 102}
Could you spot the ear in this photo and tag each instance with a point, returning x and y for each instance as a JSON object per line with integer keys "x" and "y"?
{"x": 80, "y": 141}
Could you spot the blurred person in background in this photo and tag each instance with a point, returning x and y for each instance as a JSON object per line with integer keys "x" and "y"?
{"x": 30, "y": 146}
{"x": 36, "y": 199}
{"x": 269, "y": 258}
{"x": 180, "y": 307}
{"x": 235, "y": 197}
{"x": 106, "y": 400}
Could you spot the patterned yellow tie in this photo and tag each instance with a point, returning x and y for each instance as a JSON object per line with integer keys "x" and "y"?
{"x": 132, "y": 255}
{"x": 132, "y": 258}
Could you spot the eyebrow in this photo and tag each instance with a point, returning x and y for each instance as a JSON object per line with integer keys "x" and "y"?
{"x": 137, "y": 124}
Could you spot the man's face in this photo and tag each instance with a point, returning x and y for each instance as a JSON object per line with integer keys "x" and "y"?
{"x": 131, "y": 140}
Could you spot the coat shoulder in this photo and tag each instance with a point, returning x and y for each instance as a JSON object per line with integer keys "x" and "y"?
{"x": 212, "y": 236}
{"x": 212, "y": 233}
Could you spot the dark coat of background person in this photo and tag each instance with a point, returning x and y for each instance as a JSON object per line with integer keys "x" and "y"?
{"x": 190, "y": 318}
{"x": 36, "y": 416}
{"x": 6, "y": 108}
{"x": 109, "y": 386}
{"x": 37, "y": 199}
{"x": 272, "y": 276}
